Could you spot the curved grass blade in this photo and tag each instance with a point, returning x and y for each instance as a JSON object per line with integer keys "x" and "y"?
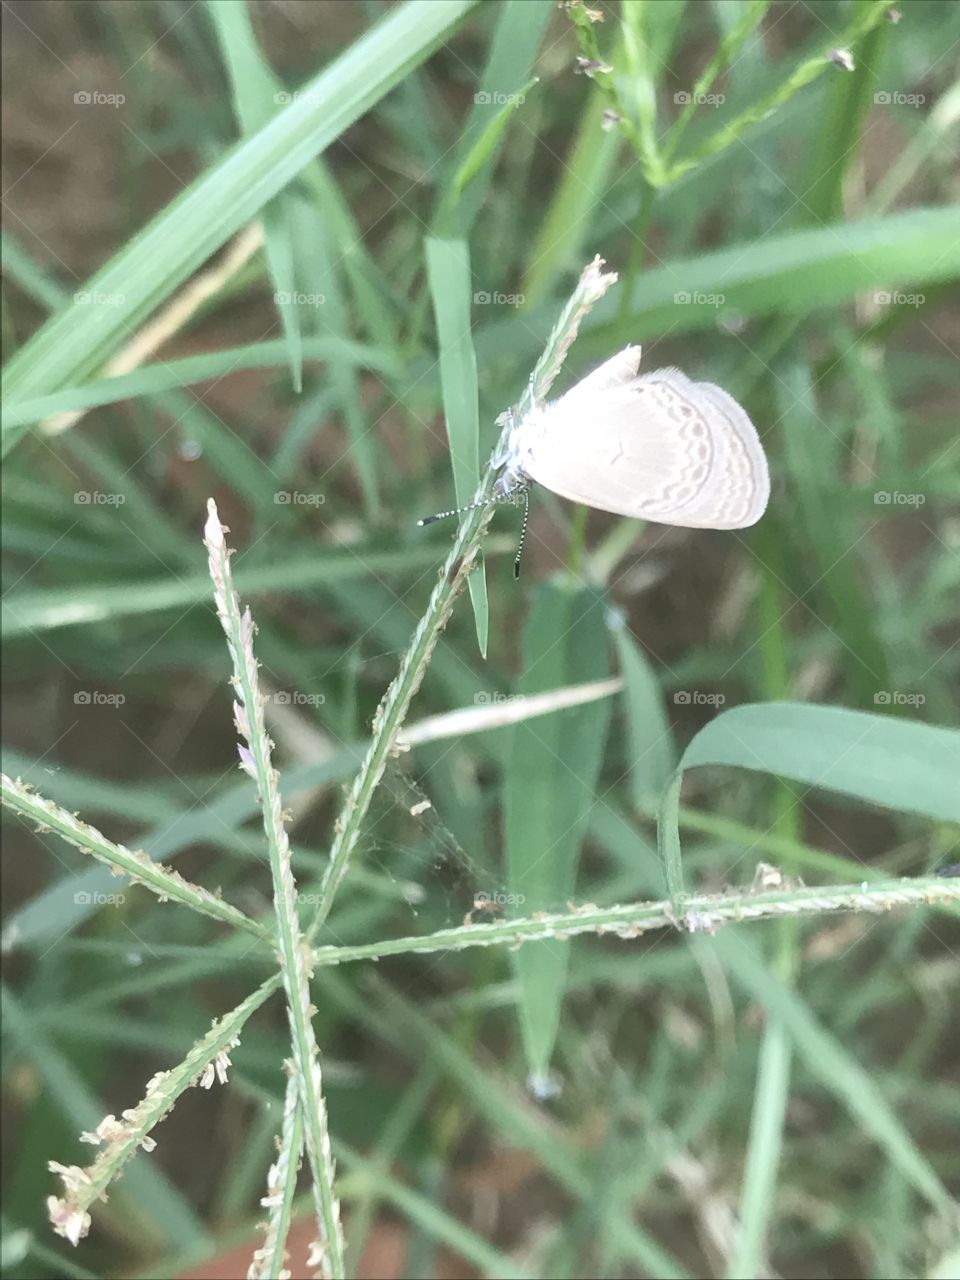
{"x": 151, "y": 266}
{"x": 884, "y": 760}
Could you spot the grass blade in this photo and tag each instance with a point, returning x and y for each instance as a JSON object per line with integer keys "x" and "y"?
{"x": 900, "y": 764}
{"x": 199, "y": 221}
{"x": 763, "y": 1151}
{"x": 255, "y": 103}
{"x": 652, "y": 754}
{"x": 837, "y": 1069}
{"x": 448, "y": 272}
{"x": 45, "y": 610}
{"x": 549, "y": 791}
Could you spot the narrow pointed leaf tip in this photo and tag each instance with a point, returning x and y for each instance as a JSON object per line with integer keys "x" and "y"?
{"x": 213, "y": 529}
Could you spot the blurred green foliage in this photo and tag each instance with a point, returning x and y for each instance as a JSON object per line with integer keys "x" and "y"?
{"x": 794, "y": 239}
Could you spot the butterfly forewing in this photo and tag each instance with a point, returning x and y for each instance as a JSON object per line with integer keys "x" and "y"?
{"x": 658, "y": 447}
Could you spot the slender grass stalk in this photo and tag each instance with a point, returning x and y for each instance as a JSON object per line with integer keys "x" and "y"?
{"x": 763, "y": 1151}
{"x": 701, "y": 914}
{"x": 751, "y": 15}
{"x": 139, "y": 866}
{"x": 747, "y": 1253}
{"x": 391, "y": 713}
{"x": 863, "y": 20}
{"x": 293, "y": 955}
{"x": 269, "y": 1260}
{"x": 120, "y": 1139}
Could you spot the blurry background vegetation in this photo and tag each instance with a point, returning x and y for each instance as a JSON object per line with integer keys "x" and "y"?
{"x": 805, "y": 260}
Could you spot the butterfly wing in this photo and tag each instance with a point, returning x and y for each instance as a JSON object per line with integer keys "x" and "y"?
{"x": 617, "y": 372}
{"x": 657, "y": 447}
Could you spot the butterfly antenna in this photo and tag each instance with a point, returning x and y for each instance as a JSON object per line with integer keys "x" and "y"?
{"x": 523, "y": 532}
{"x": 443, "y": 515}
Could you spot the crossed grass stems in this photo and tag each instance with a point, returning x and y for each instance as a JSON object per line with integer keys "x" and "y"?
{"x": 304, "y": 1123}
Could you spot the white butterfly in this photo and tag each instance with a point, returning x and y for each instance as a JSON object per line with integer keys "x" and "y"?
{"x": 654, "y": 446}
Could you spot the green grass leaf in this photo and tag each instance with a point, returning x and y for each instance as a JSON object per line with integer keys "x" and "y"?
{"x": 45, "y": 610}
{"x": 549, "y": 792}
{"x": 833, "y": 1065}
{"x": 791, "y": 273}
{"x": 900, "y": 764}
{"x": 448, "y": 273}
{"x": 819, "y": 454}
{"x": 169, "y": 375}
{"x": 255, "y": 103}
{"x": 151, "y": 266}
{"x": 763, "y": 1150}
{"x": 651, "y": 752}
{"x": 516, "y": 38}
